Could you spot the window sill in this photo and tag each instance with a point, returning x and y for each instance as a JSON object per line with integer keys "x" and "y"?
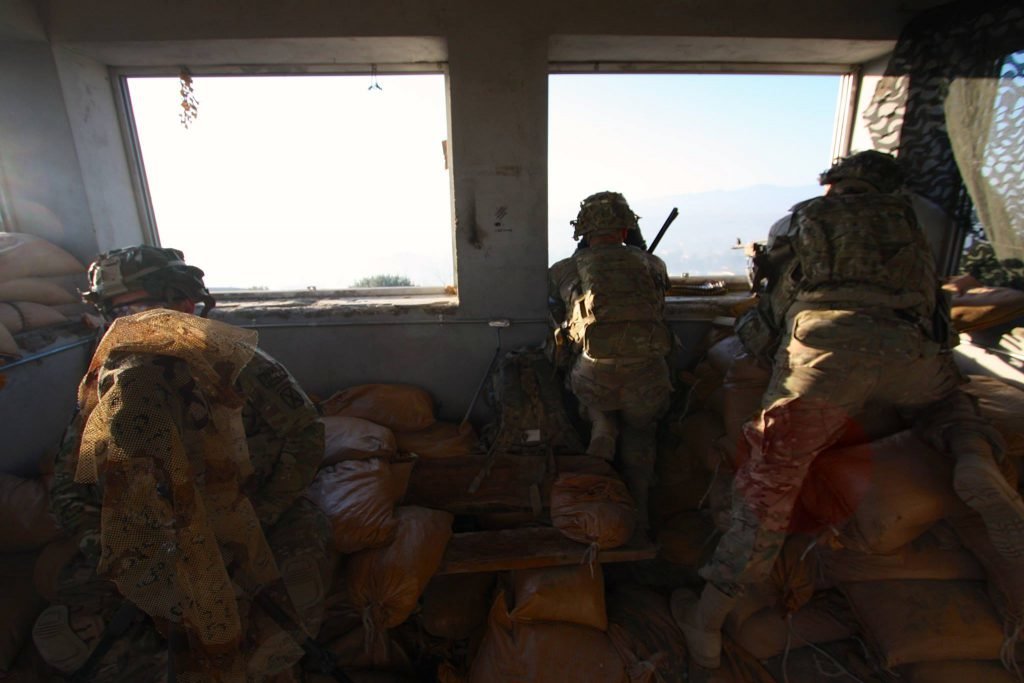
{"x": 268, "y": 309}
{"x": 706, "y": 308}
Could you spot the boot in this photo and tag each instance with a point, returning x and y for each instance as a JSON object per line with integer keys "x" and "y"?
{"x": 701, "y": 622}
{"x": 980, "y": 483}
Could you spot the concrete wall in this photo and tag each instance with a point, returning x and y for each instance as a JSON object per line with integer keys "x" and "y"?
{"x": 67, "y": 168}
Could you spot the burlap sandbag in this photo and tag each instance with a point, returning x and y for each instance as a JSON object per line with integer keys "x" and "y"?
{"x": 353, "y": 438}
{"x": 881, "y": 495}
{"x": 23, "y": 255}
{"x": 922, "y": 621}
{"x": 593, "y": 509}
{"x": 25, "y": 520}
{"x": 21, "y": 605}
{"x": 455, "y": 605}
{"x": 513, "y": 652}
{"x": 684, "y": 471}
{"x": 1003, "y": 406}
{"x": 573, "y": 595}
{"x": 440, "y": 440}
{"x": 8, "y": 347}
{"x": 19, "y": 316}
{"x": 50, "y": 291}
{"x": 925, "y": 557}
{"x": 399, "y": 407}
{"x": 979, "y": 307}
{"x": 386, "y": 583}
{"x": 359, "y": 498}
{"x": 645, "y": 635}
{"x": 958, "y": 672}
{"x": 766, "y": 633}
{"x": 1005, "y": 577}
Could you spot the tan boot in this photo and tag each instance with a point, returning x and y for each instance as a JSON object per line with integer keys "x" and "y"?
{"x": 980, "y": 483}
{"x": 701, "y": 622}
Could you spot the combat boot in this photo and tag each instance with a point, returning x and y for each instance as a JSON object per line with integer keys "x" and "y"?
{"x": 980, "y": 483}
{"x": 701, "y": 622}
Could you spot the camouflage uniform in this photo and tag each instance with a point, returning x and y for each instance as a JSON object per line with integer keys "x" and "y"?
{"x": 286, "y": 444}
{"x": 608, "y": 300}
{"x": 855, "y": 306}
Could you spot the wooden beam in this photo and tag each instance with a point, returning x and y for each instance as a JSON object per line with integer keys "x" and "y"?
{"x": 528, "y": 548}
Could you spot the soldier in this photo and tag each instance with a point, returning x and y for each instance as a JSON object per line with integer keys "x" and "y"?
{"x": 853, "y": 307}
{"x": 156, "y": 407}
{"x": 608, "y": 302}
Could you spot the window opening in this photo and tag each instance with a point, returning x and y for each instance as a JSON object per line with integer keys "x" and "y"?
{"x": 287, "y": 183}
{"x": 732, "y": 151}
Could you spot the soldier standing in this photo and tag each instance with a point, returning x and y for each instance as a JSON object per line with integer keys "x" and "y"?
{"x": 608, "y": 302}
{"x": 851, "y": 312}
{"x": 166, "y": 417}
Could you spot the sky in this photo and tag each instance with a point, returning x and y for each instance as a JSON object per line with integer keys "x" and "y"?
{"x": 292, "y": 182}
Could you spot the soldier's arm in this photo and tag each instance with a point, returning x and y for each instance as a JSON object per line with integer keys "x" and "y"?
{"x": 76, "y": 507}
{"x": 283, "y": 408}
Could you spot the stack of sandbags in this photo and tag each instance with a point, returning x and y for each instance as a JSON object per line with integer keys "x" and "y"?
{"x": 408, "y": 413}
{"x": 39, "y": 284}
{"x": 594, "y": 510}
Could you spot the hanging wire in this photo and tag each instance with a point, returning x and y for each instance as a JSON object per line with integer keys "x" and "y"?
{"x": 189, "y": 104}
{"x": 374, "y": 85}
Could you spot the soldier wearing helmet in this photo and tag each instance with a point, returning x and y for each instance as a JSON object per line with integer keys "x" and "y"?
{"x": 154, "y": 289}
{"x": 607, "y": 304}
{"x": 850, "y": 312}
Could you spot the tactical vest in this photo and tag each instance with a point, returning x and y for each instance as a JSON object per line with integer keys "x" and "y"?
{"x": 867, "y": 250}
{"x": 618, "y": 304}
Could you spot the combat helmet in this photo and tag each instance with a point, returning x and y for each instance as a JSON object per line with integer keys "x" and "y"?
{"x": 603, "y": 212}
{"x": 161, "y": 272}
{"x": 882, "y": 170}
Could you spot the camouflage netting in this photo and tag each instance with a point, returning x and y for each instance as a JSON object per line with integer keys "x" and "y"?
{"x": 950, "y": 106}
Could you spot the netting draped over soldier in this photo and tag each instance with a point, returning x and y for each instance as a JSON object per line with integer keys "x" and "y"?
{"x": 607, "y": 301}
{"x": 851, "y": 313}
{"x": 178, "y": 440}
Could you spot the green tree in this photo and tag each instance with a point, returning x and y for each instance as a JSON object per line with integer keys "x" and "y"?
{"x": 383, "y": 280}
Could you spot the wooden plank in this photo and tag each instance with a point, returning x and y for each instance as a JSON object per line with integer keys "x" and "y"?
{"x": 444, "y": 483}
{"x": 529, "y": 548}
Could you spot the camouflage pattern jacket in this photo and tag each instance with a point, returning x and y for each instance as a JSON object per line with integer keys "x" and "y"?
{"x": 285, "y": 439}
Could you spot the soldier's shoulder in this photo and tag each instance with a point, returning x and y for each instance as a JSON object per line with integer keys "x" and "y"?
{"x": 562, "y": 269}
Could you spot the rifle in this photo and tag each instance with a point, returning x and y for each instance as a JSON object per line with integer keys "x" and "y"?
{"x": 319, "y": 658}
{"x": 673, "y": 214}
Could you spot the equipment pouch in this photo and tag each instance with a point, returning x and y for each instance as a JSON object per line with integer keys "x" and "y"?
{"x": 757, "y": 334}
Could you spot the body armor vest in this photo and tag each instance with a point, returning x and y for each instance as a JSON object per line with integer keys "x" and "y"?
{"x": 616, "y": 310}
{"x": 866, "y": 250}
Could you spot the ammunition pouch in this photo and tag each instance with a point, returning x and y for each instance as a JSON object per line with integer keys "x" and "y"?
{"x": 757, "y": 334}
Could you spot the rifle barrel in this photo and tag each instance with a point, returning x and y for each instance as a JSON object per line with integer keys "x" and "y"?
{"x": 664, "y": 228}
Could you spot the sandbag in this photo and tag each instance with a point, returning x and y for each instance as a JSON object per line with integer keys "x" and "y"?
{"x": 8, "y": 347}
{"x": 359, "y": 498}
{"x": 789, "y": 587}
{"x": 891, "y": 491}
{"x": 1003, "y": 406}
{"x": 386, "y": 661}
{"x": 766, "y": 633}
{"x": 843, "y": 661}
{"x": 20, "y": 316}
{"x": 980, "y": 307}
{"x": 455, "y": 605}
{"x": 386, "y": 583}
{"x": 572, "y": 594}
{"x": 21, "y": 605}
{"x": 513, "y": 652}
{"x": 922, "y": 621}
{"x": 440, "y": 440}
{"x": 50, "y": 291}
{"x": 25, "y": 520}
{"x": 645, "y": 635}
{"x": 23, "y": 255}
{"x": 683, "y": 472}
{"x": 353, "y": 438}
{"x": 1005, "y": 576}
{"x": 399, "y": 407}
{"x": 923, "y": 558}
{"x": 593, "y": 509}
{"x": 958, "y": 672}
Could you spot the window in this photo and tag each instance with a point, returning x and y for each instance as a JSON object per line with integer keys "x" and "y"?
{"x": 300, "y": 182}
{"x": 732, "y": 152}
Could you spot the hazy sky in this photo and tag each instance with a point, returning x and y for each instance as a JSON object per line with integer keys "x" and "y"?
{"x": 291, "y": 182}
